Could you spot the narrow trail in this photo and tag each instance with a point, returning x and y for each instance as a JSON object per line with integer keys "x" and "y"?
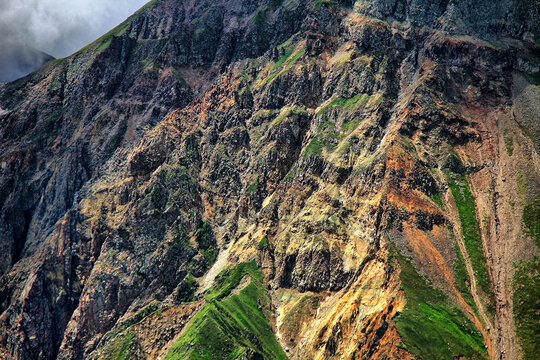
{"x": 452, "y": 214}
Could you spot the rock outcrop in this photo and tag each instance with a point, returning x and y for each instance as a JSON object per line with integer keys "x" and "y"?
{"x": 378, "y": 160}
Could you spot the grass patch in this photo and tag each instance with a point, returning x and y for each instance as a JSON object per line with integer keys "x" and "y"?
{"x": 531, "y": 219}
{"x": 346, "y": 104}
{"x": 436, "y": 198}
{"x": 284, "y": 63}
{"x": 287, "y": 113}
{"x": 522, "y": 184}
{"x": 229, "y": 327}
{"x": 263, "y": 243}
{"x": 509, "y": 144}
{"x": 253, "y": 186}
{"x": 120, "y": 348}
{"x": 525, "y": 306}
{"x": 469, "y": 227}
{"x": 432, "y": 328}
{"x": 317, "y": 144}
{"x": 351, "y": 125}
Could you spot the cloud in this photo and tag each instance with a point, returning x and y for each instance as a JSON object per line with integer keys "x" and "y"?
{"x": 60, "y": 27}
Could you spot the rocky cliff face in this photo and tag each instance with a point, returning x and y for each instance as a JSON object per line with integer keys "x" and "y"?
{"x": 377, "y": 160}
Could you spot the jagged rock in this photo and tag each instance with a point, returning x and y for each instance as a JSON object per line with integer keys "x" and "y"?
{"x": 170, "y": 148}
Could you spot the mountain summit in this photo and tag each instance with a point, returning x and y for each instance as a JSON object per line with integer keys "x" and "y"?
{"x": 243, "y": 179}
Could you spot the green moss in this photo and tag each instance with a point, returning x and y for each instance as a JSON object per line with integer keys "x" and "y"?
{"x": 253, "y": 186}
{"x": 291, "y": 174}
{"x": 346, "y": 58}
{"x": 288, "y": 52}
{"x": 509, "y": 144}
{"x": 525, "y": 306}
{"x": 430, "y": 325}
{"x": 230, "y": 326}
{"x": 378, "y": 99}
{"x": 470, "y": 233}
{"x": 531, "y": 219}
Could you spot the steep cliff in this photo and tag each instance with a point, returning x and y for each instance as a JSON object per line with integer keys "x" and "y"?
{"x": 271, "y": 179}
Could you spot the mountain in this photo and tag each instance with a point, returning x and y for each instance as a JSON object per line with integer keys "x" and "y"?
{"x": 18, "y": 60}
{"x": 241, "y": 179}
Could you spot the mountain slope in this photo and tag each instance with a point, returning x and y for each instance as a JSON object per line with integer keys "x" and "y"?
{"x": 377, "y": 159}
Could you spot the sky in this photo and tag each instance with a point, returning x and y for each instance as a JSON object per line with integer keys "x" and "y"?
{"x": 60, "y": 27}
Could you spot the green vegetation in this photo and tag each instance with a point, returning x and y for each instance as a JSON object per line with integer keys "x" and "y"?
{"x": 437, "y": 200}
{"x": 282, "y": 117}
{"x": 120, "y": 348}
{"x": 351, "y": 125}
{"x": 346, "y": 58}
{"x": 326, "y": 3}
{"x": 531, "y": 219}
{"x": 179, "y": 77}
{"x": 509, "y": 143}
{"x": 261, "y": 18}
{"x": 291, "y": 174}
{"x": 430, "y": 325}
{"x": 469, "y": 227}
{"x": 317, "y": 144}
{"x": 527, "y": 286}
{"x": 230, "y": 326}
{"x": 534, "y": 78}
{"x": 284, "y": 63}
{"x": 346, "y": 104}
{"x": 54, "y": 116}
{"x": 263, "y": 243}
{"x": 253, "y": 186}
{"x": 522, "y": 184}
{"x": 287, "y": 113}
{"x": 186, "y": 290}
{"x": 179, "y": 184}
{"x": 525, "y": 306}
{"x": 207, "y": 242}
